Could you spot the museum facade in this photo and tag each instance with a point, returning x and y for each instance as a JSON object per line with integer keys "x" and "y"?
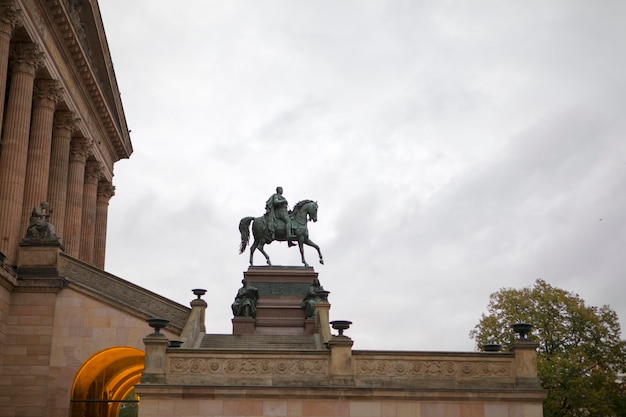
{"x": 77, "y": 341}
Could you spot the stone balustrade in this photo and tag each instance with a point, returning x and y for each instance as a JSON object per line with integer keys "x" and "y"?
{"x": 340, "y": 365}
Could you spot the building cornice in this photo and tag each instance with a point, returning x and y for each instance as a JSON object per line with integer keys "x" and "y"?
{"x": 112, "y": 119}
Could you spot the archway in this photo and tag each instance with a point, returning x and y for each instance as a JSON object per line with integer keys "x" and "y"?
{"x": 103, "y": 386}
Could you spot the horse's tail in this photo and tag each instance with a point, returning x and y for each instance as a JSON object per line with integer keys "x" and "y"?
{"x": 244, "y": 229}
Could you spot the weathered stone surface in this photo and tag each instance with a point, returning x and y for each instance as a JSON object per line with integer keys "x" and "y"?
{"x": 124, "y": 294}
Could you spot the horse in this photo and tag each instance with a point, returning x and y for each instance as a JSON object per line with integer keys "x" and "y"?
{"x": 302, "y": 212}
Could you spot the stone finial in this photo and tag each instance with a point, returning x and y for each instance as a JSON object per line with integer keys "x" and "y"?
{"x": 155, "y": 346}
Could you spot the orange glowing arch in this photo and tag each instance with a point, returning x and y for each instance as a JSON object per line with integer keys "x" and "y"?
{"x": 102, "y": 384}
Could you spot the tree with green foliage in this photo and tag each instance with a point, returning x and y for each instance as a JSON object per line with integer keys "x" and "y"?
{"x": 580, "y": 355}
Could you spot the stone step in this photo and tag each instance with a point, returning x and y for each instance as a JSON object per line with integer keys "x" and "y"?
{"x": 260, "y": 342}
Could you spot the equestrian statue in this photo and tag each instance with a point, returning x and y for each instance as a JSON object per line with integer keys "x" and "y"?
{"x": 281, "y": 224}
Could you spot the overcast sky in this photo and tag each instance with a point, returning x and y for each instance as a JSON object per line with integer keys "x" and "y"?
{"x": 454, "y": 148}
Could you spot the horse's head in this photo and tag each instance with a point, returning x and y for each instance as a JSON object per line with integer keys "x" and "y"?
{"x": 312, "y": 210}
{"x": 306, "y": 208}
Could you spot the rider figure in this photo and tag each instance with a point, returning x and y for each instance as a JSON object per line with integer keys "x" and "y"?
{"x": 276, "y": 208}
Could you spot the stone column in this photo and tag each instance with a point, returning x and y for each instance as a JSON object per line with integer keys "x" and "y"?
{"x": 46, "y": 95}
{"x": 526, "y": 364}
{"x": 9, "y": 17}
{"x": 194, "y": 329}
{"x": 341, "y": 365}
{"x": 154, "y": 362}
{"x": 106, "y": 190}
{"x": 80, "y": 149}
{"x": 322, "y": 324}
{"x": 15, "y": 132}
{"x": 93, "y": 172}
{"x": 64, "y": 125}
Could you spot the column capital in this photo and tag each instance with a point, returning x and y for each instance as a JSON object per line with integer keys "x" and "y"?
{"x": 47, "y": 92}
{"x": 66, "y": 120}
{"x": 93, "y": 172}
{"x": 106, "y": 189}
{"x": 10, "y": 15}
{"x": 80, "y": 149}
{"x": 26, "y": 57}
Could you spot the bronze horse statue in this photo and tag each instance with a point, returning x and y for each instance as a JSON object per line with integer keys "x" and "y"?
{"x": 302, "y": 212}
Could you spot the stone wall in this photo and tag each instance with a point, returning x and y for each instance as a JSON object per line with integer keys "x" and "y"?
{"x": 8, "y": 279}
{"x": 26, "y": 355}
{"x": 329, "y": 403}
{"x": 251, "y": 374}
{"x": 51, "y": 323}
{"x": 83, "y": 327}
{"x": 49, "y": 337}
{"x": 339, "y": 382}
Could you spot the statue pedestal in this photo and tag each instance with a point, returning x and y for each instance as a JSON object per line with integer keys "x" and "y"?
{"x": 243, "y": 325}
{"x": 281, "y": 290}
{"x": 39, "y": 256}
{"x": 38, "y": 266}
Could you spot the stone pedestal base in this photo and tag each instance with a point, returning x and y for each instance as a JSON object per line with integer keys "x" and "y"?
{"x": 38, "y": 266}
{"x": 309, "y": 325}
{"x": 281, "y": 290}
{"x": 244, "y": 325}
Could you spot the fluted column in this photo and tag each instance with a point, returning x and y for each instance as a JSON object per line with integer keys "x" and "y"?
{"x": 64, "y": 125}
{"x": 80, "y": 149}
{"x": 46, "y": 95}
{"x": 9, "y": 17}
{"x": 26, "y": 58}
{"x": 93, "y": 172}
{"x": 106, "y": 190}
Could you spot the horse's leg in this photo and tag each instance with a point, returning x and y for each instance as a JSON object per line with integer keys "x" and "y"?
{"x": 267, "y": 257}
{"x": 301, "y": 247}
{"x": 252, "y": 249}
{"x": 313, "y": 245}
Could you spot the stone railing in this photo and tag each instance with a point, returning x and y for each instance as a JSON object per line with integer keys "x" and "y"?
{"x": 132, "y": 298}
{"x": 340, "y": 366}
{"x": 8, "y": 277}
{"x": 436, "y": 369}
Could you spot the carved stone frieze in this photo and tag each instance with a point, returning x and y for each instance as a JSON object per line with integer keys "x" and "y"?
{"x": 282, "y": 288}
{"x": 249, "y": 366}
{"x": 434, "y": 368}
{"x": 122, "y": 292}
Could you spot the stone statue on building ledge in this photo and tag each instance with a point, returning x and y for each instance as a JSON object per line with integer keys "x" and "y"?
{"x": 245, "y": 301}
{"x": 39, "y": 227}
{"x": 315, "y": 293}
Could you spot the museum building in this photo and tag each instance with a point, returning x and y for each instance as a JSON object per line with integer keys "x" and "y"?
{"x": 77, "y": 341}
